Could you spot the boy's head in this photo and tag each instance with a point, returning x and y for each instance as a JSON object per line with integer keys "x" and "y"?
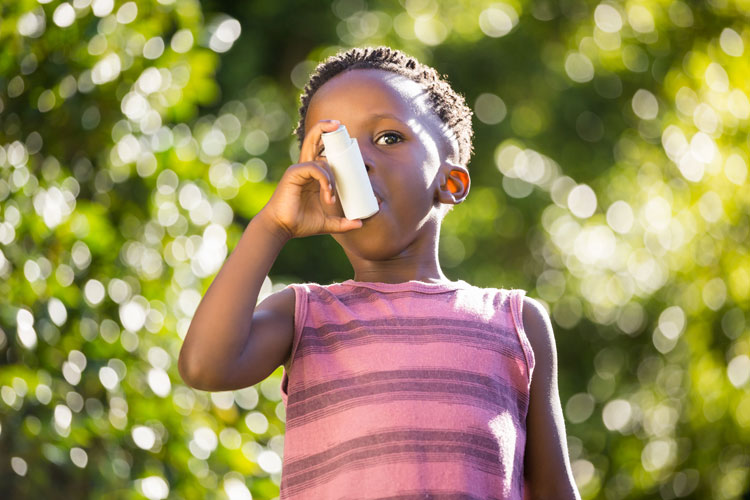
{"x": 448, "y": 105}
{"x": 414, "y": 133}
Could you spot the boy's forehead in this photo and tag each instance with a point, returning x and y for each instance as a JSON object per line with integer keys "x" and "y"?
{"x": 374, "y": 89}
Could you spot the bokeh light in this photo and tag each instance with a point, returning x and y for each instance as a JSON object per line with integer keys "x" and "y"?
{"x": 609, "y": 179}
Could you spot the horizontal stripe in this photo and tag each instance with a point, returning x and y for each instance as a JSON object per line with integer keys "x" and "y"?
{"x": 379, "y": 404}
{"x": 332, "y": 338}
{"x": 436, "y": 495}
{"x": 491, "y": 330}
{"x": 404, "y": 307}
{"x": 439, "y": 375}
{"x": 402, "y": 445}
{"x": 361, "y": 296}
{"x": 450, "y": 386}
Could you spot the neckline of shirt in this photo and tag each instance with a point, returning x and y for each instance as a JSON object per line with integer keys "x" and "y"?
{"x": 411, "y": 285}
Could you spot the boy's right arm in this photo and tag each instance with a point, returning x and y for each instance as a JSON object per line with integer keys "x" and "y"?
{"x": 230, "y": 343}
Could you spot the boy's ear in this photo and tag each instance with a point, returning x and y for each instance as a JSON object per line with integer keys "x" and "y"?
{"x": 453, "y": 183}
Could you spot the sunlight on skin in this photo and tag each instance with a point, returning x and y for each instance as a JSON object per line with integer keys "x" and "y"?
{"x": 417, "y": 98}
{"x": 434, "y": 158}
{"x": 415, "y": 95}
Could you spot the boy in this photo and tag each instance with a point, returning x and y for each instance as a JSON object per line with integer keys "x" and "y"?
{"x": 378, "y": 400}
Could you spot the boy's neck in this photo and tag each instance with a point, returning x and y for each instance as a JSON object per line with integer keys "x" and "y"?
{"x": 399, "y": 259}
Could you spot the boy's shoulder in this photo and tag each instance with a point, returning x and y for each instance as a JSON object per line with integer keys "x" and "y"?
{"x": 281, "y": 301}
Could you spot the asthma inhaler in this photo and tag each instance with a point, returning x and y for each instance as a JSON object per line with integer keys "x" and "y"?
{"x": 352, "y": 182}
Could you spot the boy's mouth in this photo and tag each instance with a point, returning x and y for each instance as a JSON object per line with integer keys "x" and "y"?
{"x": 380, "y": 206}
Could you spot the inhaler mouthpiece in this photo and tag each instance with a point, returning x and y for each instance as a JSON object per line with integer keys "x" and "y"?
{"x": 352, "y": 182}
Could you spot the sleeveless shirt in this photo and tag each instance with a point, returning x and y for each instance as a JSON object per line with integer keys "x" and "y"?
{"x": 409, "y": 390}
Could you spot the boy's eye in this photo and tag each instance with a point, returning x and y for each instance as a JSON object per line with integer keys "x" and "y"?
{"x": 389, "y": 138}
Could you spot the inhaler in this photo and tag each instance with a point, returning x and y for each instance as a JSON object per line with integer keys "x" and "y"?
{"x": 352, "y": 182}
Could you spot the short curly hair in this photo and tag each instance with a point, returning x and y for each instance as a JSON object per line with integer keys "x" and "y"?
{"x": 447, "y": 104}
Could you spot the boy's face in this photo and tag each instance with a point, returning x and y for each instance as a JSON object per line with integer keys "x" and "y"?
{"x": 404, "y": 147}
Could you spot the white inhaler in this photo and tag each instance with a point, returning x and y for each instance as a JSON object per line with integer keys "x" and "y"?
{"x": 352, "y": 182}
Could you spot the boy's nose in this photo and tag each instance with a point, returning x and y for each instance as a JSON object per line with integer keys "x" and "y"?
{"x": 365, "y": 149}
{"x": 366, "y": 159}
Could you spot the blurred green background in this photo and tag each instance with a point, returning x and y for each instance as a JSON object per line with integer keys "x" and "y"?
{"x": 610, "y": 180}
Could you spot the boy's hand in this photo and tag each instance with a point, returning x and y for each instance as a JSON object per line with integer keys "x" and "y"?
{"x": 304, "y": 202}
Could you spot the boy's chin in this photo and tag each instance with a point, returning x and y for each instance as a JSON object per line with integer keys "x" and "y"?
{"x": 364, "y": 244}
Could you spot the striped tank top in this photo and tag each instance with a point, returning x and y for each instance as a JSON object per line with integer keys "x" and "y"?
{"x": 403, "y": 391}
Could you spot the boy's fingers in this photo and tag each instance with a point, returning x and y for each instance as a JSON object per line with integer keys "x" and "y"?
{"x": 324, "y": 175}
{"x": 328, "y": 195}
{"x": 326, "y": 180}
{"x": 312, "y": 141}
{"x": 317, "y": 170}
{"x": 342, "y": 224}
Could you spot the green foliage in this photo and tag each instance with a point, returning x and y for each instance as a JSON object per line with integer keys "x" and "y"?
{"x": 610, "y": 179}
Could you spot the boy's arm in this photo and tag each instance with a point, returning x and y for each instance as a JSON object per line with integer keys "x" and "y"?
{"x": 546, "y": 464}
{"x": 230, "y": 344}
{"x": 220, "y": 352}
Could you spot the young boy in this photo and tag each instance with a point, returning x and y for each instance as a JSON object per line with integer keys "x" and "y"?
{"x": 398, "y": 383}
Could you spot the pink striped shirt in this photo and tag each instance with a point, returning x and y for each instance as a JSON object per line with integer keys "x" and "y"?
{"x": 403, "y": 391}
